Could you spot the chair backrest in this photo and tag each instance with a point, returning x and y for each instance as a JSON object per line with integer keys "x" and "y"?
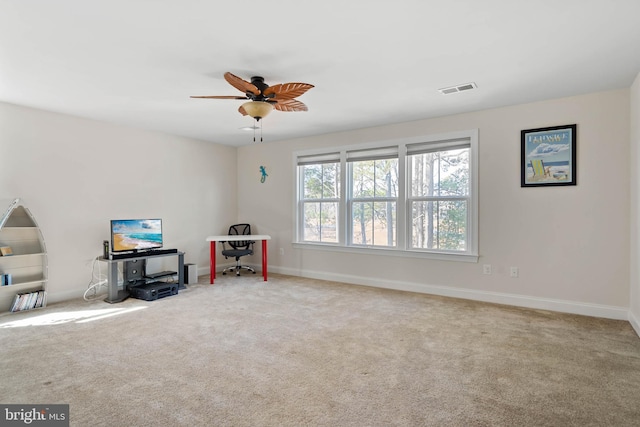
{"x": 240, "y": 230}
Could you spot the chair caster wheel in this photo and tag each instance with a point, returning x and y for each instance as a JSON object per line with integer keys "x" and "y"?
{"x": 253, "y": 272}
{"x": 224, "y": 274}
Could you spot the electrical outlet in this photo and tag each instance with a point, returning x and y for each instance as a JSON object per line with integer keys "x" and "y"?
{"x": 281, "y": 251}
{"x": 486, "y": 269}
{"x": 514, "y": 271}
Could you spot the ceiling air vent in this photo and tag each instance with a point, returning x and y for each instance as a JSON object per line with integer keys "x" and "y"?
{"x": 459, "y": 88}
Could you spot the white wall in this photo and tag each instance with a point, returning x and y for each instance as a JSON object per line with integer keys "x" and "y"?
{"x": 570, "y": 243}
{"x": 634, "y": 259}
{"x": 76, "y": 174}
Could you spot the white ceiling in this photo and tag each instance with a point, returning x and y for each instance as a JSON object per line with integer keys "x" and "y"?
{"x": 136, "y": 62}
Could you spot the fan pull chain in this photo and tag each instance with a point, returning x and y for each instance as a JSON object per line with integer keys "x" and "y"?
{"x": 255, "y": 123}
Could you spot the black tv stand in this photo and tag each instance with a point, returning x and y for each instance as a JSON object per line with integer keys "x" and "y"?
{"x": 160, "y": 275}
{"x": 114, "y": 294}
{"x": 141, "y": 254}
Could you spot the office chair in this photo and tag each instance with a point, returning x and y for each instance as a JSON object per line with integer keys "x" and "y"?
{"x": 238, "y": 248}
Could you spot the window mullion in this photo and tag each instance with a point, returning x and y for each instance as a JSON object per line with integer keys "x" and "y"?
{"x": 344, "y": 207}
{"x": 401, "y": 204}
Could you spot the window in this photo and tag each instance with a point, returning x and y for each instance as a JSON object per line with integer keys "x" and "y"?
{"x": 319, "y": 197}
{"x": 415, "y": 197}
{"x": 439, "y": 195}
{"x": 373, "y": 196}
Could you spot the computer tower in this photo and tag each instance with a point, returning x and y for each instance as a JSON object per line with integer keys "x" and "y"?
{"x": 190, "y": 274}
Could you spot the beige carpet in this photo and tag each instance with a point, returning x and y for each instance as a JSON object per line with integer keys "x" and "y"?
{"x": 299, "y": 352}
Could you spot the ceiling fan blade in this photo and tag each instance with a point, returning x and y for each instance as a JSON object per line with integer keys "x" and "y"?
{"x": 240, "y": 84}
{"x": 221, "y": 97}
{"x": 290, "y": 105}
{"x": 287, "y": 90}
{"x": 242, "y": 111}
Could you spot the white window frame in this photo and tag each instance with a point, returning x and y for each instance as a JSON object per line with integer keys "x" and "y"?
{"x": 436, "y": 147}
{"x": 352, "y": 156}
{"x": 402, "y": 248}
{"x": 331, "y": 157}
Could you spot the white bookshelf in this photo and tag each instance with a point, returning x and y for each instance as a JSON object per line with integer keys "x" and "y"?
{"x": 28, "y": 264}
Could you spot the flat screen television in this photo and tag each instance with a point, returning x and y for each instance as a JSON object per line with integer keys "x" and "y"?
{"x": 135, "y": 234}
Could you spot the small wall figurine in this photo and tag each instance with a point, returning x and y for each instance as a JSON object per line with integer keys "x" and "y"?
{"x": 263, "y": 171}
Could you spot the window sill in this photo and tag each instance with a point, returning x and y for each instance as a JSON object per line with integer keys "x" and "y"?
{"x": 441, "y": 256}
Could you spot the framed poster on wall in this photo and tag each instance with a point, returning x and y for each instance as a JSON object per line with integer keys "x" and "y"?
{"x": 548, "y": 156}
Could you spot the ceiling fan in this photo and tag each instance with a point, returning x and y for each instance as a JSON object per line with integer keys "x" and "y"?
{"x": 262, "y": 98}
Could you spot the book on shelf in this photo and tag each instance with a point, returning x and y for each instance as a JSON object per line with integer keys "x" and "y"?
{"x": 6, "y": 279}
{"x": 6, "y": 250}
{"x": 40, "y": 300}
{"x": 29, "y": 301}
{"x": 16, "y": 303}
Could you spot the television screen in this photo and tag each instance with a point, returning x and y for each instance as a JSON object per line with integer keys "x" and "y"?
{"x": 136, "y": 234}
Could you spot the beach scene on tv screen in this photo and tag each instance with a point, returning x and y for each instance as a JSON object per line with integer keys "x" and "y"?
{"x": 129, "y": 235}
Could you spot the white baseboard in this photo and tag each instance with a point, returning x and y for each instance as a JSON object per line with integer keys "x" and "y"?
{"x": 564, "y": 306}
{"x": 635, "y": 322}
{"x": 204, "y": 271}
{"x": 53, "y": 297}
{"x": 573, "y": 307}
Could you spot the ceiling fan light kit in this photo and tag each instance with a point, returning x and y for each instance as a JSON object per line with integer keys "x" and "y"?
{"x": 257, "y": 109}
{"x": 262, "y": 98}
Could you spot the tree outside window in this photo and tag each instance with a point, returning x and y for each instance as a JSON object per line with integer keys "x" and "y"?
{"x": 374, "y": 188}
{"x": 439, "y": 198}
{"x": 320, "y": 198}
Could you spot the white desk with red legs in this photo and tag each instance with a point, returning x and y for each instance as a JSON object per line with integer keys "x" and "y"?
{"x": 229, "y": 238}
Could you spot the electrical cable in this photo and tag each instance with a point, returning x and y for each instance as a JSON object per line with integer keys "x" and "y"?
{"x": 97, "y": 282}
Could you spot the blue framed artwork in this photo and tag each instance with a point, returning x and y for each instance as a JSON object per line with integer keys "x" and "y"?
{"x": 548, "y": 156}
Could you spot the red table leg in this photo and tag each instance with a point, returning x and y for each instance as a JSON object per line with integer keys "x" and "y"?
{"x": 264, "y": 260}
{"x": 212, "y": 262}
